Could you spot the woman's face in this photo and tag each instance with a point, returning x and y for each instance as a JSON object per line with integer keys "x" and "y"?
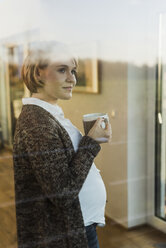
{"x": 59, "y": 79}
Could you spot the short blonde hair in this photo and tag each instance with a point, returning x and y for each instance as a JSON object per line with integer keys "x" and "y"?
{"x": 40, "y": 55}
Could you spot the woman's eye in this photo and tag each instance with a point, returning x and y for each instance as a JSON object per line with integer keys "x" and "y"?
{"x": 73, "y": 72}
{"x": 62, "y": 70}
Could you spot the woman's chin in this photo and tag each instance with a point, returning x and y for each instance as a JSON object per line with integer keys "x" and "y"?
{"x": 67, "y": 96}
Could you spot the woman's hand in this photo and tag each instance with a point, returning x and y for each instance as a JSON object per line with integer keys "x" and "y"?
{"x": 97, "y": 132}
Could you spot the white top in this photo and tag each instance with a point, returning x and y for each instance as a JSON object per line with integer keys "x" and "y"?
{"x": 92, "y": 196}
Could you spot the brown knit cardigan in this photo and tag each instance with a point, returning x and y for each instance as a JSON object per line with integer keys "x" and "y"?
{"x": 48, "y": 177}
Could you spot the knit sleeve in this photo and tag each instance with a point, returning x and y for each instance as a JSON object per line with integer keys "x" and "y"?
{"x": 59, "y": 179}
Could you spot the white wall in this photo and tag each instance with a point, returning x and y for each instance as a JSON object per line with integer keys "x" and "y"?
{"x": 137, "y": 149}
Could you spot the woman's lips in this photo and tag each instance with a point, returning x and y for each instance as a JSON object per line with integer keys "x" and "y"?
{"x": 67, "y": 88}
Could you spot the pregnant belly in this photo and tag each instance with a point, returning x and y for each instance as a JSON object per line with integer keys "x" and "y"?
{"x": 93, "y": 192}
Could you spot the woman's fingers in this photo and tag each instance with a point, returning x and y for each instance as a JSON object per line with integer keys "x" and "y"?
{"x": 100, "y": 129}
{"x": 108, "y": 130}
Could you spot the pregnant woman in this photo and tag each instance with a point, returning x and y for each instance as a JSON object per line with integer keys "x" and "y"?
{"x": 60, "y": 195}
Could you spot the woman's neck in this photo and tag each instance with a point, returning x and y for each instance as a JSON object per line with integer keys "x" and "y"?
{"x": 45, "y": 98}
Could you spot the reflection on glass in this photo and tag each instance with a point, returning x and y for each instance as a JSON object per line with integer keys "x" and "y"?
{"x": 10, "y": 83}
{"x": 16, "y": 85}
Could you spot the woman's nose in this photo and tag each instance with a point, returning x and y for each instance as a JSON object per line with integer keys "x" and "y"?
{"x": 71, "y": 78}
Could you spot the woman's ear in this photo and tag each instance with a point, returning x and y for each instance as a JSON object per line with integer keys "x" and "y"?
{"x": 41, "y": 74}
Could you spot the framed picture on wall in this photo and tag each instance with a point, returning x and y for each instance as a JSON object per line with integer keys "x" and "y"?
{"x": 88, "y": 65}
